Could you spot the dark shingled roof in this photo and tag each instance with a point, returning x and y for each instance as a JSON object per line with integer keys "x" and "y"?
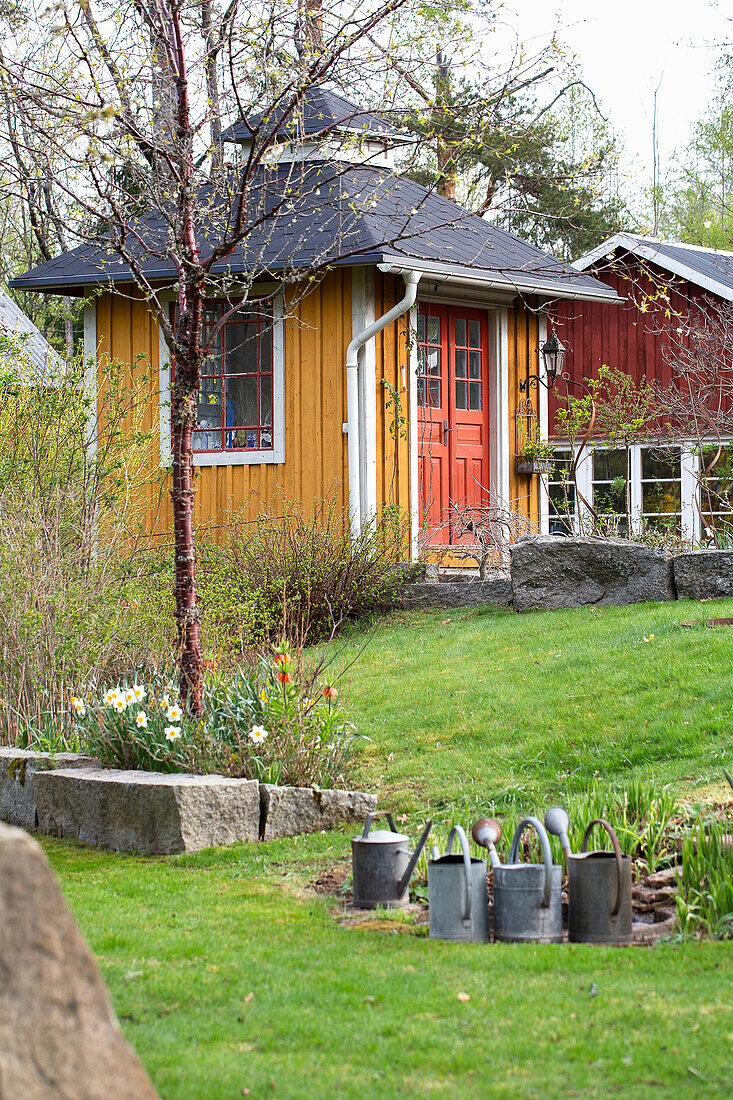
{"x": 708, "y": 262}
{"x": 341, "y": 215}
{"x": 320, "y": 112}
{"x": 710, "y": 268}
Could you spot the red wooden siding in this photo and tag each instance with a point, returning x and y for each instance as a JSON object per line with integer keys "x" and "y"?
{"x": 623, "y": 335}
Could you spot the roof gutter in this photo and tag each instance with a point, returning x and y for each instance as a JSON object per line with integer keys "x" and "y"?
{"x": 470, "y": 277}
{"x": 412, "y": 278}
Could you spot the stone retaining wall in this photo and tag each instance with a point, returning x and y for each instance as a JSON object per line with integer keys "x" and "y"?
{"x": 70, "y": 795}
{"x": 550, "y": 571}
{"x": 18, "y": 769}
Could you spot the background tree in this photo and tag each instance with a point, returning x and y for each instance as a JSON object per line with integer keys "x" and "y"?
{"x": 531, "y": 151}
{"x": 697, "y": 197}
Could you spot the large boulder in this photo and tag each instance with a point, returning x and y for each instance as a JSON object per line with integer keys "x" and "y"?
{"x": 448, "y": 594}
{"x": 18, "y": 768}
{"x": 551, "y": 572}
{"x": 59, "y": 1039}
{"x": 704, "y": 574}
{"x": 147, "y": 811}
{"x": 288, "y": 811}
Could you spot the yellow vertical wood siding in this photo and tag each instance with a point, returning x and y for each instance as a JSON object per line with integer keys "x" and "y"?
{"x": 392, "y": 359}
{"x": 317, "y": 330}
{"x": 524, "y": 489}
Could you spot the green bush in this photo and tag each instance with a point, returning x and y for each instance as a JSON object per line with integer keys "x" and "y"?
{"x": 66, "y": 514}
{"x": 309, "y": 575}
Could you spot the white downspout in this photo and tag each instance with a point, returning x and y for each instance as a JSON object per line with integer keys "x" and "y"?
{"x": 412, "y": 278}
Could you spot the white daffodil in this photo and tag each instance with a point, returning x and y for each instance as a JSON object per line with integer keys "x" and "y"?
{"x": 165, "y": 702}
{"x": 119, "y": 704}
{"x": 109, "y": 697}
{"x": 141, "y": 720}
{"x": 129, "y": 696}
{"x": 172, "y": 733}
{"x": 258, "y": 734}
{"x": 79, "y": 707}
{"x": 173, "y": 713}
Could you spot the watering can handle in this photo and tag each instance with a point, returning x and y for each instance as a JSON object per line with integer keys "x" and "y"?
{"x": 546, "y": 852}
{"x": 616, "y": 851}
{"x": 370, "y": 819}
{"x": 457, "y": 830}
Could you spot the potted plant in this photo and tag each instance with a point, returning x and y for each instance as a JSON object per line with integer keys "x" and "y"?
{"x": 538, "y": 457}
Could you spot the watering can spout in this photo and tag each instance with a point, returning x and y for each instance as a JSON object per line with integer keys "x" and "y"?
{"x": 403, "y": 883}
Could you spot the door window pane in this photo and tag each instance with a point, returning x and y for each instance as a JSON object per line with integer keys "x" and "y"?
{"x": 474, "y": 334}
{"x": 460, "y": 332}
{"x": 461, "y": 394}
{"x": 460, "y": 364}
{"x": 430, "y": 362}
{"x": 474, "y": 362}
{"x": 474, "y": 389}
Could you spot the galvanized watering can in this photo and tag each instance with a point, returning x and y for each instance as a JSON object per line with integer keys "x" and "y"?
{"x": 382, "y": 865}
{"x": 457, "y": 898}
{"x": 599, "y": 886}
{"x": 527, "y": 896}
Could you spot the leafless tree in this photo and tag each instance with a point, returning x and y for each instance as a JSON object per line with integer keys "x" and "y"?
{"x": 111, "y": 120}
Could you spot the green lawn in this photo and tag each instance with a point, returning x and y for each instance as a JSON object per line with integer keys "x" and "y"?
{"x": 229, "y": 974}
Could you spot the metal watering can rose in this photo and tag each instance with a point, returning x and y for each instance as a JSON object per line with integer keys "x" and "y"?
{"x": 527, "y": 896}
{"x": 457, "y": 897}
{"x": 382, "y": 865}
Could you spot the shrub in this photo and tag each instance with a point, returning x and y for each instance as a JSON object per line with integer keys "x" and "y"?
{"x": 66, "y": 513}
{"x": 309, "y": 575}
{"x": 278, "y": 724}
{"x": 233, "y": 623}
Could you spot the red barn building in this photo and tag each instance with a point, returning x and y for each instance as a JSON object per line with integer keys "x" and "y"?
{"x": 663, "y": 283}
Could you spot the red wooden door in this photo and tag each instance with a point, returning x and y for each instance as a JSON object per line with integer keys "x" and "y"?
{"x": 453, "y": 409}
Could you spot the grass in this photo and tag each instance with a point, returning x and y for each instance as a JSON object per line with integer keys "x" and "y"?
{"x": 465, "y": 709}
{"x": 228, "y": 974}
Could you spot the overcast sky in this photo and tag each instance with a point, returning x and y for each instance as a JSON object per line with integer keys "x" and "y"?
{"x": 624, "y": 47}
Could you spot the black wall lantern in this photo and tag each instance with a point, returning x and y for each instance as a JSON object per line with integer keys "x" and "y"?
{"x": 553, "y": 359}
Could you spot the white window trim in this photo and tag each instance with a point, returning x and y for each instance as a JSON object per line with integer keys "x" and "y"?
{"x": 691, "y": 523}
{"x": 274, "y": 455}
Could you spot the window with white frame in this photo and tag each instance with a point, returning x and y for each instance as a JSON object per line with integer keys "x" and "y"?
{"x": 716, "y": 492}
{"x": 561, "y": 493}
{"x": 234, "y": 408}
{"x": 661, "y": 488}
{"x": 610, "y": 482}
{"x": 240, "y": 403}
